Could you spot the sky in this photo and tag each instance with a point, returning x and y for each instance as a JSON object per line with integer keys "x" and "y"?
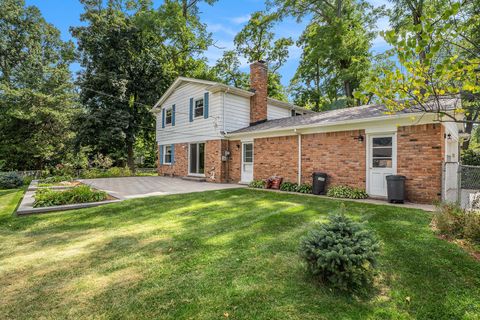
{"x": 224, "y": 19}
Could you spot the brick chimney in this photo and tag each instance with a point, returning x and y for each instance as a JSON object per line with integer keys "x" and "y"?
{"x": 258, "y": 84}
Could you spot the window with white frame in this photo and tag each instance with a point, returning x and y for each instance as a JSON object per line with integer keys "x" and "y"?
{"x": 198, "y": 112}
{"x": 167, "y": 154}
{"x": 168, "y": 116}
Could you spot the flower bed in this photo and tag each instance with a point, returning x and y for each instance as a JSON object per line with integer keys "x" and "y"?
{"x": 81, "y": 194}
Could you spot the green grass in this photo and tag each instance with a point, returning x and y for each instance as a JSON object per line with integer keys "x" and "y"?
{"x": 202, "y": 255}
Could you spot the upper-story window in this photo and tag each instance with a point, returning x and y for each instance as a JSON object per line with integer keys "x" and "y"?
{"x": 198, "y": 108}
{"x": 168, "y": 116}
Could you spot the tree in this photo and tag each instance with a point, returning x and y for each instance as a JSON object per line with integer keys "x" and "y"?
{"x": 256, "y": 41}
{"x": 435, "y": 66}
{"x": 37, "y": 100}
{"x": 335, "y": 45}
{"x": 131, "y": 54}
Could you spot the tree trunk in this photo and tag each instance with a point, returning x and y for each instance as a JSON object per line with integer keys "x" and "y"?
{"x": 130, "y": 155}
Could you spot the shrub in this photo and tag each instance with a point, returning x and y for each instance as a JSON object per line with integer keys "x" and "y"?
{"x": 81, "y": 194}
{"x": 471, "y": 230}
{"x": 10, "y": 180}
{"x": 55, "y": 179}
{"x": 449, "y": 219}
{"x": 289, "y": 186}
{"x": 342, "y": 253}
{"x": 259, "y": 184}
{"x": 346, "y": 192}
{"x": 470, "y": 157}
{"x": 304, "y": 188}
{"x": 110, "y": 173}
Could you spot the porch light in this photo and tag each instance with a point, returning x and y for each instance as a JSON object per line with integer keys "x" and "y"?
{"x": 359, "y": 138}
{"x": 448, "y": 136}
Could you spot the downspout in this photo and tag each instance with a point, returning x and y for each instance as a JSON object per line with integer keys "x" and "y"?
{"x": 299, "y": 169}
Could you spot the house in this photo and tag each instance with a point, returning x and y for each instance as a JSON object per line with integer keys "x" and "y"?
{"x": 219, "y": 133}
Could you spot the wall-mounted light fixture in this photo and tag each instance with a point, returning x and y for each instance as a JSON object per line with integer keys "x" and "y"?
{"x": 359, "y": 138}
{"x": 238, "y": 146}
{"x": 447, "y": 136}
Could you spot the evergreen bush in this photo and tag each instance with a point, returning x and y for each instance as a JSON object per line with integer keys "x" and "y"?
{"x": 341, "y": 253}
{"x": 10, "y": 180}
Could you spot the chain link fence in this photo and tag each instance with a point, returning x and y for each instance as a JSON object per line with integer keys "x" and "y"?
{"x": 469, "y": 186}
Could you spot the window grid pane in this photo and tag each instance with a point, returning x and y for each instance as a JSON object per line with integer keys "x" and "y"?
{"x": 199, "y": 108}
{"x": 168, "y": 116}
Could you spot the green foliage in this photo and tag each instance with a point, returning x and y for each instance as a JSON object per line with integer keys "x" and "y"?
{"x": 453, "y": 221}
{"x": 436, "y": 59}
{"x": 346, "y": 192}
{"x": 335, "y": 49}
{"x": 55, "y": 179}
{"x": 37, "y": 98}
{"x": 471, "y": 157}
{"x": 256, "y": 41}
{"x": 289, "y": 186}
{"x": 10, "y": 180}
{"x": 341, "y": 252}
{"x": 304, "y": 188}
{"x": 259, "y": 184}
{"x": 81, "y": 194}
{"x": 130, "y": 54}
{"x": 109, "y": 173}
{"x": 101, "y": 161}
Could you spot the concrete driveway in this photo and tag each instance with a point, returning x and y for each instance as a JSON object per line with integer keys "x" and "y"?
{"x": 138, "y": 187}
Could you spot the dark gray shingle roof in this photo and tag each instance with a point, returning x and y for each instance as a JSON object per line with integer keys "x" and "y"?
{"x": 334, "y": 116}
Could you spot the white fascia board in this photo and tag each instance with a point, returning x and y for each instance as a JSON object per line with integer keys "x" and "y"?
{"x": 172, "y": 88}
{"x": 387, "y": 123}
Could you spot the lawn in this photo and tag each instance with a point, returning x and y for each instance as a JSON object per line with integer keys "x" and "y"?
{"x": 216, "y": 255}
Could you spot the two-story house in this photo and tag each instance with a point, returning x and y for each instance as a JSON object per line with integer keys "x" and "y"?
{"x": 219, "y": 133}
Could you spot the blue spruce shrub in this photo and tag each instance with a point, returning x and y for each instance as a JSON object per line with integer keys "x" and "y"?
{"x": 341, "y": 253}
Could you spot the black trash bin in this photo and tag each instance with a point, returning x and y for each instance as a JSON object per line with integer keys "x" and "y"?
{"x": 319, "y": 182}
{"x": 396, "y": 189}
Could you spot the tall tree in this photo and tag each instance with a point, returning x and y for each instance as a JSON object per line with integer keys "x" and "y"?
{"x": 256, "y": 41}
{"x": 335, "y": 45}
{"x": 131, "y": 54}
{"x": 37, "y": 100}
{"x": 441, "y": 63}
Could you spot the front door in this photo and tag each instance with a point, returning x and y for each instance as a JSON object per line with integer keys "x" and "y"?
{"x": 196, "y": 159}
{"x": 247, "y": 162}
{"x": 381, "y": 162}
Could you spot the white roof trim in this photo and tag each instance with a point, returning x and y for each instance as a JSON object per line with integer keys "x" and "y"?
{"x": 229, "y": 89}
{"x": 174, "y": 85}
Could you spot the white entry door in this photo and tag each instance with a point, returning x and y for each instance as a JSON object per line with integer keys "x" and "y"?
{"x": 381, "y": 162}
{"x": 247, "y": 162}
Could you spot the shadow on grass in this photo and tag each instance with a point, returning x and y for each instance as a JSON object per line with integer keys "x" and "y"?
{"x": 201, "y": 255}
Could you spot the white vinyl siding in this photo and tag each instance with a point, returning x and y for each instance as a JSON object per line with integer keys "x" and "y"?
{"x": 274, "y": 112}
{"x": 185, "y": 131}
{"x": 237, "y": 112}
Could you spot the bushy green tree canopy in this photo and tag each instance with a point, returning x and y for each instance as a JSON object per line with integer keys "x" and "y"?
{"x": 37, "y": 100}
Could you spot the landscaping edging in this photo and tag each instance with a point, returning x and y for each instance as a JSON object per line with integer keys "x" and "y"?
{"x": 26, "y": 205}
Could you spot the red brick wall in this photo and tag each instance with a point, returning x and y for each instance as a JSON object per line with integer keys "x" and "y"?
{"x": 420, "y": 152}
{"x": 276, "y": 156}
{"x": 180, "y": 166}
{"x": 258, "y": 82}
{"x": 214, "y": 167}
{"x": 338, "y": 154}
{"x": 235, "y": 161}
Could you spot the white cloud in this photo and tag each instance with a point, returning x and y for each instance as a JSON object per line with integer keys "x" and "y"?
{"x": 220, "y": 28}
{"x": 240, "y": 19}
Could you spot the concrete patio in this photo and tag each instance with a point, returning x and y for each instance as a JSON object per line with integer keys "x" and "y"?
{"x": 139, "y": 187}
